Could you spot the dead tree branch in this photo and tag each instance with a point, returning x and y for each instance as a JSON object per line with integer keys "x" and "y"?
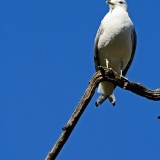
{"x": 103, "y": 75}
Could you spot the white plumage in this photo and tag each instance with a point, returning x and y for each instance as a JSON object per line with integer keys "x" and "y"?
{"x": 116, "y": 42}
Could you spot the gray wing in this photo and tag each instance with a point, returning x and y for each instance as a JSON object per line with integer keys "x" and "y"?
{"x": 96, "y": 54}
{"x": 134, "y": 42}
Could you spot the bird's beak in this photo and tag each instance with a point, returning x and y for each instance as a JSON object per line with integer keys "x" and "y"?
{"x": 110, "y": 3}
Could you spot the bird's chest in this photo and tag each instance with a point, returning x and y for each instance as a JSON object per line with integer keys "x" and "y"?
{"x": 116, "y": 47}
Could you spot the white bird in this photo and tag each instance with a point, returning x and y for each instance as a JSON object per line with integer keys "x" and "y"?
{"x": 114, "y": 45}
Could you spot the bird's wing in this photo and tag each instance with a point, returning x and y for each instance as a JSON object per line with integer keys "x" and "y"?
{"x": 134, "y": 42}
{"x": 96, "y": 56}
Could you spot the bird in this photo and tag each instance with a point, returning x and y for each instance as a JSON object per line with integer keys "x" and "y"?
{"x": 114, "y": 46}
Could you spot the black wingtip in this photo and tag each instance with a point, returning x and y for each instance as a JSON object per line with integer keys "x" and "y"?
{"x": 96, "y": 104}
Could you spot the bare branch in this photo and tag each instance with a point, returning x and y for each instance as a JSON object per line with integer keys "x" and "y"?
{"x": 103, "y": 75}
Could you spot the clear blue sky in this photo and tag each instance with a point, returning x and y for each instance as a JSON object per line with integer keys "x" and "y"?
{"x": 46, "y": 62}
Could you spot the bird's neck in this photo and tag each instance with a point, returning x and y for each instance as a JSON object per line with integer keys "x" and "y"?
{"x": 118, "y": 13}
{"x": 118, "y": 9}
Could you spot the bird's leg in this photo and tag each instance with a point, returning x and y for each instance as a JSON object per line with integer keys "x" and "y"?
{"x": 107, "y": 62}
{"x": 121, "y": 68}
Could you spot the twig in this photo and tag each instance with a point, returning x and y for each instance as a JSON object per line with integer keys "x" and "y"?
{"x": 103, "y": 75}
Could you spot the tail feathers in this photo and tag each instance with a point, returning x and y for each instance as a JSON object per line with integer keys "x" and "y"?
{"x": 103, "y": 97}
{"x": 100, "y": 100}
{"x": 112, "y": 99}
{"x": 106, "y": 90}
{"x": 100, "y": 90}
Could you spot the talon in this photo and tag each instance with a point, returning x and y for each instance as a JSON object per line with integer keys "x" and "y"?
{"x": 125, "y": 78}
{"x": 125, "y": 85}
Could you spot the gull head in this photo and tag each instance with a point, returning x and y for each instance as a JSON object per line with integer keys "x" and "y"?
{"x": 117, "y": 3}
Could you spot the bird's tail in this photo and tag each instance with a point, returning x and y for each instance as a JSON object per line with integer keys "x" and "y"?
{"x": 106, "y": 89}
{"x": 101, "y": 99}
{"x": 112, "y": 99}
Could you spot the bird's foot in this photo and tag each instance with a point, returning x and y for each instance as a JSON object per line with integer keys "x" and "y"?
{"x": 121, "y": 75}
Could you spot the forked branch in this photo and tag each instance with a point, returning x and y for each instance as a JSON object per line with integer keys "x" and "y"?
{"x": 104, "y": 74}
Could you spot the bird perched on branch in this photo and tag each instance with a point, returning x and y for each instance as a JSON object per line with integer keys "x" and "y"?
{"x": 114, "y": 45}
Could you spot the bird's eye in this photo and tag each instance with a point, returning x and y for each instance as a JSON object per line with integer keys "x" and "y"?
{"x": 121, "y": 2}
